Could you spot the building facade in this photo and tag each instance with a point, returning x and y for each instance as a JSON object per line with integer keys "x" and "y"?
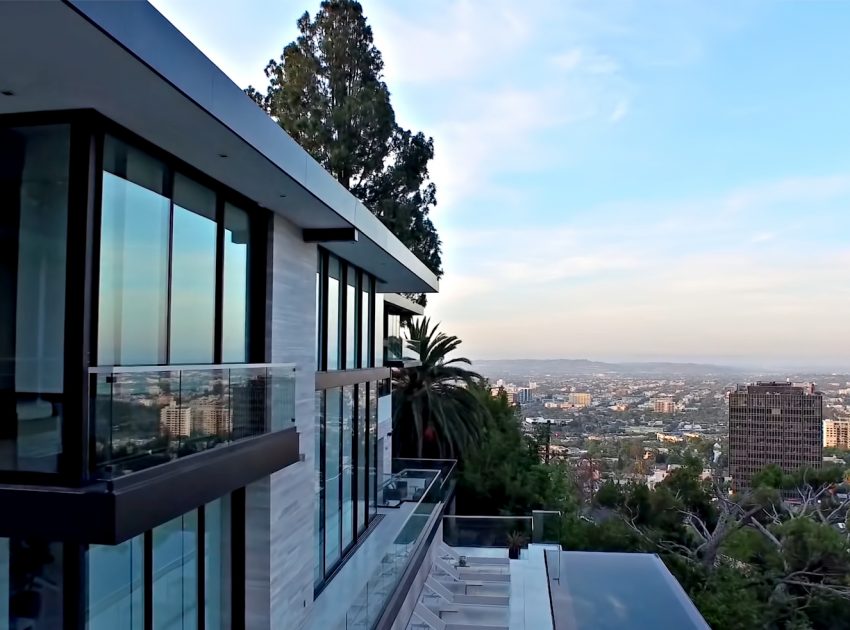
{"x": 836, "y": 433}
{"x": 194, "y": 406}
{"x": 773, "y": 423}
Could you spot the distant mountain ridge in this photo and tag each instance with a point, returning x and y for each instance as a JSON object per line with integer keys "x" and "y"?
{"x": 580, "y": 367}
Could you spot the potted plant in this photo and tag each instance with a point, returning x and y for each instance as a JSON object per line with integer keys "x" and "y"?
{"x": 516, "y": 541}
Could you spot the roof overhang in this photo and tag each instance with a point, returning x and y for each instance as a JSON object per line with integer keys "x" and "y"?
{"x": 125, "y": 60}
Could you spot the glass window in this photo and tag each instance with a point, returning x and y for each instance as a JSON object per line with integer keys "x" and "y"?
{"x": 133, "y": 297}
{"x": 193, "y": 260}
{"x": 31, "y": 577}
{"x": 318, "y": 310}
{"x": 333, "y": 306}
{"x": 175, "y": 573}
{"x": 217, "y": 564}
{"x": 365, "y": 323}
{"x": 115, "y": 586}
{"x": 374, "y": 464}
{"x": 234, "y": 333}
{"x": 33, "y": 231}
{"x": 135, "y": 219}
{"x": 393, "y": 350}
{"x": 379, "y": 323}
{"x": 332, "y": 476}
{"x": 318, "y": 483}
{"x": 351, "y": 309}
{"x": 362, "y": 457}
{"x": 347, "y": 466}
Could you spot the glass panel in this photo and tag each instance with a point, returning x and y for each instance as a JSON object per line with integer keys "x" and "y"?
{"x": 234, "y": 333}
{"x": 34, "y": 579}
{"x": 4, "y": 584}
{"x": 115, "y": 586}
{"x": 248, "y": 388}
{"x": 318, "y": 310}
{"x": 333, "y": 306}
{"x": 193, "y": 260}
{"x": 318, "y": 484}
{"x": 175, "y": 573}
{"x": 365, "y": 323}
{"x": 347, "y": 466}
{"x": 33, "y": 232}
{"x": 351, "y": 309}
{"x": 374, "y": 465}
{"x": 379, "y": 329}
{"x": 133, "y": 297}
{"x": 217, "y": 564}
{"x": 362, "y": 518}
{"x": 393, "y": 351}
{"x": 332, "y": 476}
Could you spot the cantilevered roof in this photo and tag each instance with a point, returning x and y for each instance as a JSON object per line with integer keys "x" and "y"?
{"x": 617, "y": 591}
{"x": 125, "y": 60}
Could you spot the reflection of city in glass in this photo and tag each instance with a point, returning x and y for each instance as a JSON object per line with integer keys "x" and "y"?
{"x": 147, "y": 417}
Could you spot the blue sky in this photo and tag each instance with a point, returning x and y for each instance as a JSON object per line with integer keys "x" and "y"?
{"x": 616, "y": 180}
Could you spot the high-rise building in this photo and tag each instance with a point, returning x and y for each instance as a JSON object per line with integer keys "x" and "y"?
{"x": 836, "y": 433}
{"x": 523, "y": 395}
{"x": 773, "y": 423}
{"x": 175, "y": 421}
{"x": 212, "y": 419}
{"x": 581, "y": 399}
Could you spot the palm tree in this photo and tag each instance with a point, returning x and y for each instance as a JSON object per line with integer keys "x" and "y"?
{"x": 432, "y": 402}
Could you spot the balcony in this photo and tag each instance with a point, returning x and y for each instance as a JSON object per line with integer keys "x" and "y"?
{"x": 161, "y": 441}
{"x": 147, "y": 416}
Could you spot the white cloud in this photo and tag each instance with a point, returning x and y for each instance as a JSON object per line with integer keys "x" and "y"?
{"x": 620, "y": 111}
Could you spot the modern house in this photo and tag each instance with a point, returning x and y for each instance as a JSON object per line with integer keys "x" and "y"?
{"x": 198, "y": 327}
{"x": 194, "y": 410}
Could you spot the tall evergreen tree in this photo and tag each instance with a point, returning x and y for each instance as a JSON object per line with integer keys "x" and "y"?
{"x": 327, "y": 91}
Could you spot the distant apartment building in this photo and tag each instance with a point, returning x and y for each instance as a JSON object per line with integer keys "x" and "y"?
{"x": 773, "y": 423}
{"x": 664, "y": 405}
{"x": 523, "y": 395}
{"x": 836, "y": 433}
{"x": 212, "y": 419}
{"x": 581, "y": 399}
{"x": 175, "y": 420}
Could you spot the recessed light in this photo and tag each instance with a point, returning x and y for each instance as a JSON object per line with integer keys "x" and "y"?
{"x": 222, "y": 155}
{"x": 282, "y": 195}
{"x": 7, "y": 93}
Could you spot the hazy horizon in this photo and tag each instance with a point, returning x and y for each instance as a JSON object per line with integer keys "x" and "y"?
{"x": 658, "y": 179}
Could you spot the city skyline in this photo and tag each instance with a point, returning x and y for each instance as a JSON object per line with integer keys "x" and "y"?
{"x": 641, "y": 182}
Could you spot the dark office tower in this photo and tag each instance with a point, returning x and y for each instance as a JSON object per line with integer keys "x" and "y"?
{"x": 773, "y": 423}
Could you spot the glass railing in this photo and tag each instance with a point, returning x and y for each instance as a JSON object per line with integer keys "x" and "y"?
{"x": 367, "y": 608}
{"x": 146, "y": 416}
{"x": 411, "y": 477}
{"x": 446, "y": 468}
{"x": 546, "y": 527}
{"x": 485, "y": 531}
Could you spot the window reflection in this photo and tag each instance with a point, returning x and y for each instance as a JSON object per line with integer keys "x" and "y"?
{"x": 133, "y": 296}
{"x": 332, "y": 477}
{"x": 234, "y": 332}
{"x": 365, "y": 323}
{"x": 193, "y": 254}
{"x": 333, "y": 306}
{"x": 347, "y": 466}
{"x": 115, "y": 586}
{"x": 217, "y": 564}
{"x": 351, "y": 309}
{"x": 175, "y": 573}
{"x": 33, "y": 230}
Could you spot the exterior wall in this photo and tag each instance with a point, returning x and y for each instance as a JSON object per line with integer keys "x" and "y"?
{"x": 280, "y": 576}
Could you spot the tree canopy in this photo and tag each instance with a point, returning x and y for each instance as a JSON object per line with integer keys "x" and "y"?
{"x": 327, "y": 91}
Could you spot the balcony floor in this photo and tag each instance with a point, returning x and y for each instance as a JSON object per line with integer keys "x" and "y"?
{"x": 330, "y": 607}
